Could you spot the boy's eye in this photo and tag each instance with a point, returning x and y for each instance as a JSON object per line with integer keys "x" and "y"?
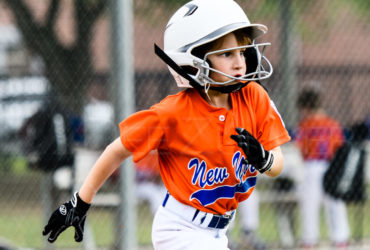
{"x": 226, "y": 54}
{"x": 229, "y": 53}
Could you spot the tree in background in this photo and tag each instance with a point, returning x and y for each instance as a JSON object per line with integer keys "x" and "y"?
{"x": 67, "y": 67}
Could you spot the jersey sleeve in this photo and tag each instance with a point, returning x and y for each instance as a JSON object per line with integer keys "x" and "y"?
{"x": 271, "y": 131}
{"x": 141, "y": 132}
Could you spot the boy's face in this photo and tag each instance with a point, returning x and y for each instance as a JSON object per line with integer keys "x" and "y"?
{"x": 230, "y": 62}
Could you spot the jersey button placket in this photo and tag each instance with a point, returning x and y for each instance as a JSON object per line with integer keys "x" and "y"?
{"x": 222, "y": 118}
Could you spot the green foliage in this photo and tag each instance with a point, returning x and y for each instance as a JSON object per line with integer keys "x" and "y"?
{"x": 170, "y": 3}
{"x": 362, "y": 7}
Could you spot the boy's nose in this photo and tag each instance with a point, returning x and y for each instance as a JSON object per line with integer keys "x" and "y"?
{"x": 239, "y": 61}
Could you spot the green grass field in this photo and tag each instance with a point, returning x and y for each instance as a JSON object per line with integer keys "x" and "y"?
{"x": 21, "y": 217}
{"x": 23, "y": 226}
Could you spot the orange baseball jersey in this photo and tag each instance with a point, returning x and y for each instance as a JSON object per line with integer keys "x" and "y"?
{"x": 318, "y": 137}
{"x": 200, "y": 164}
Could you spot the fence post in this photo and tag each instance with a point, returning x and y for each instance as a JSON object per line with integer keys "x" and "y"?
{"x": 289, "y": 67}
{"x": 122, "y": 73}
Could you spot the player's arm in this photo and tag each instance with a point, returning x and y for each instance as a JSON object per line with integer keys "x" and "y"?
{"x": 112, "y": 157}
{"x": 73, "y": 213}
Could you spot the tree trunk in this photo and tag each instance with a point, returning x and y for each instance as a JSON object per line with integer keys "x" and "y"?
{"x": 68, "y": 69}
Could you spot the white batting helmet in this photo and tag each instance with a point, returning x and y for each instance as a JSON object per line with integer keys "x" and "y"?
{"x": 202, "y": 21}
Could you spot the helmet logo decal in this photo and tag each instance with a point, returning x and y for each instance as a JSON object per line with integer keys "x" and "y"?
{"x": 188, "y": 10}
{"x": 192, "y": 9}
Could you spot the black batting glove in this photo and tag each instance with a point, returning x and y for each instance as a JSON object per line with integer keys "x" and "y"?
{"x": 72, "y": 213}
{"x": 256, "y": 155}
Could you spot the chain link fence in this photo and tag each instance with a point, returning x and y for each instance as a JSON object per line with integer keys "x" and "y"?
{"x": 55, "y": 89}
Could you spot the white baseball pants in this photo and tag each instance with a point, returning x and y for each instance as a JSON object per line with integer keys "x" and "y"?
{"x": 171, "y": 232}
{"x": 311, "y": 197}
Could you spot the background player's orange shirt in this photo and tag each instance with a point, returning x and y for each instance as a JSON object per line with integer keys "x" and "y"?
{"x": 318, "y": 137}
{"x": 149, "y": 164}
{"x": 199, "y": 163}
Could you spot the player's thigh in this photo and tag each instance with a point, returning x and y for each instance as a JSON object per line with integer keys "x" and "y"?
{"x": 170, "y": 232}
{"x": 188, "y": 240}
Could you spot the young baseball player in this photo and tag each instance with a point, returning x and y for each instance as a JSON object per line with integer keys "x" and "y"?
{"x": 213, "y": 138}
{"x": 318, "y": 137}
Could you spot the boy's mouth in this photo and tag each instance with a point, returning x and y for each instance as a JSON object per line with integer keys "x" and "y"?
{"x": 238, "y": 75}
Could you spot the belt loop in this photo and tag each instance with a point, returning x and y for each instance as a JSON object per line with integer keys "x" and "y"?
{"x": 195, "y": 215}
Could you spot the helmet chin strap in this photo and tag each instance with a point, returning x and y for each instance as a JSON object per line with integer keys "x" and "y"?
{"x": 165, "y": 58}
{"x": 230, "y": 88}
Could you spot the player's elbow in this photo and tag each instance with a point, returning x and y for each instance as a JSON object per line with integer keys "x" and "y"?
{"x": 278, "y": 165}
{"x": 117, "y": 150}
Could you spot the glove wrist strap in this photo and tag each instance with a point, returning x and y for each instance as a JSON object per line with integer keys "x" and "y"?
{"x": 79, "y": 204}
{"x": 269, "y": 162}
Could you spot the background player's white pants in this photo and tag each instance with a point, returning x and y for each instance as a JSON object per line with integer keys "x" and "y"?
{"x": 311, "y": 197}
{"x": 151, "y": 192}
{"x": 171, "y": 232}
{"x": 249, "y": 212}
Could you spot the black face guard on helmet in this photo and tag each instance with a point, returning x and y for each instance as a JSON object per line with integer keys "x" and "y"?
{"x": 251, "y": 56}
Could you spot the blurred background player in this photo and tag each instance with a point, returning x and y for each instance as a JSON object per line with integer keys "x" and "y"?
{"x": 249, "y": 212}
{"x": 149, "y": 186}
{"x": 286, "y": 185}
{"x": 284, "y": 192}
{"x": 318, "y": 137}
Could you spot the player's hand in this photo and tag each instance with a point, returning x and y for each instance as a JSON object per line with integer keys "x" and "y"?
{"x": 256, "y": 155}
{"x": 72, "y": 213}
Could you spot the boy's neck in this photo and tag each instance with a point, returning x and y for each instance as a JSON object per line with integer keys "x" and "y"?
{"x": 217, "y": 99}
